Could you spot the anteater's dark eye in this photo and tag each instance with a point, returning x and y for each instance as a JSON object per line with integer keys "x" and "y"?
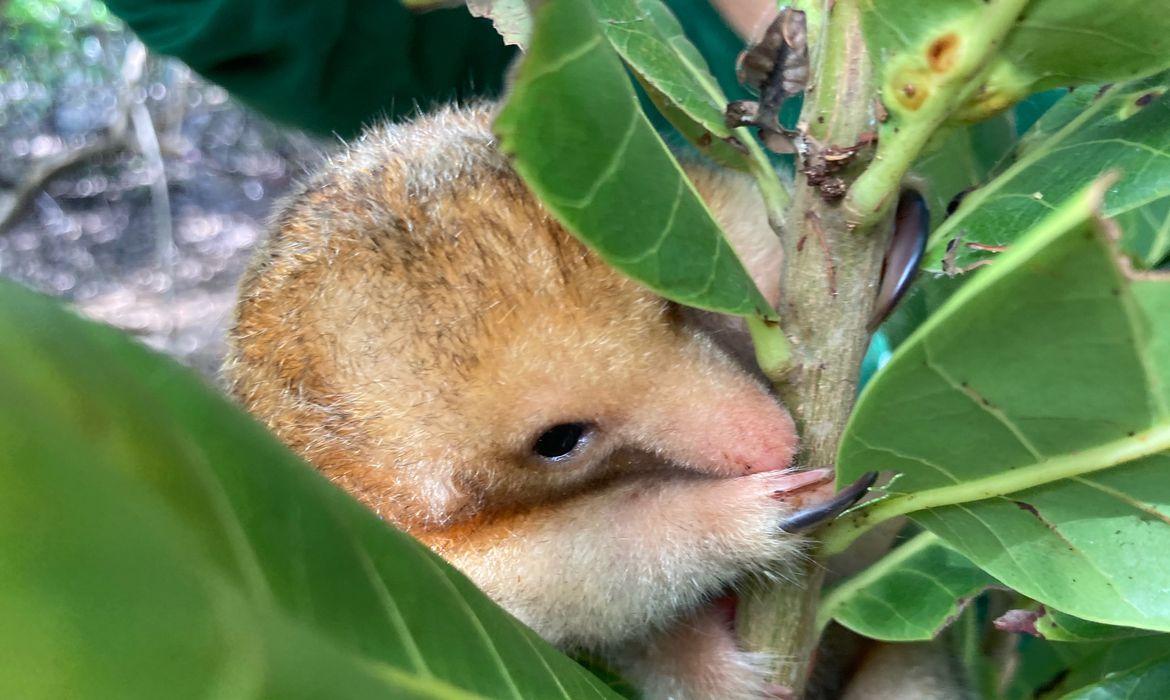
{"x": 561, "y": 440}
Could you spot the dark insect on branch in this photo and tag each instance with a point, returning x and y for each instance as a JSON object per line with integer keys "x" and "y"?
{"x": 776, "y": 68}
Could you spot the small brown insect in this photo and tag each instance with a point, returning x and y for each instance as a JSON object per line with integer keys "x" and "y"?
{"x": 776, "y": 68}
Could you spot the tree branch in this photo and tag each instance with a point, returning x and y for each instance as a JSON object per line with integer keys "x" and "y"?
{"x": 829, "y": 279}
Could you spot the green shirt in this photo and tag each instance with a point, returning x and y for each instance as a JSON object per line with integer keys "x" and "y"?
{"x": 331, "y": 66}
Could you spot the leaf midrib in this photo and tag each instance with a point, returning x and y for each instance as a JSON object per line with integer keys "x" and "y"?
{"x": 1066, "y": 466}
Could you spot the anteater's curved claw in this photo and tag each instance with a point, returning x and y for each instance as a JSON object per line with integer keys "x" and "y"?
{"x": 810, "y": 517}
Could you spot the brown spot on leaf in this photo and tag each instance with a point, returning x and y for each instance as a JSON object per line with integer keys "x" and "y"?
{"x": 942, "y": 51}
{"x": 1028, "y": 507}
{"x": 1145, "y": 99}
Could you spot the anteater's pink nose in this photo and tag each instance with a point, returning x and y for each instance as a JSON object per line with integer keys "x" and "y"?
{"x": 741, "y": 433}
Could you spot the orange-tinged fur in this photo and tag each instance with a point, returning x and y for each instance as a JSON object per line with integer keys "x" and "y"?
{"x": 417, "y": 319}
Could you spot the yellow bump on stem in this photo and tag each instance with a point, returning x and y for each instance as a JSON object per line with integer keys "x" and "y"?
{"x": 874, "y": 190}
{"x": 773, "y": 350}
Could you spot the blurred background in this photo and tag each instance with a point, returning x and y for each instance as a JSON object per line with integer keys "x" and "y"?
{"x": 129, "y": 186}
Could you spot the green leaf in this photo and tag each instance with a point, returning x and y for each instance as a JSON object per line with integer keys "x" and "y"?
{"x": 677, "y": 80}
{"x": 1028, "y": 419}
{"x": 578, "y": 138}
{"x": 670, "y": 69}
{"x": 963, "y": 160}
{"x": 651, "y": 42}
{"x": 156, "y": 542}
{"x": 1085, "y": 134}
{"x": 1071, "y": 42}
{"x": 911, "y": 594}
{"x": 675, "y": 75}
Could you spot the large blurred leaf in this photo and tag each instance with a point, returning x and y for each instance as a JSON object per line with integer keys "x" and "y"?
{"x": 579, "y": 139}
{"x": 1028, "y": 418}
{"x": 156, "y": 542}
{"x": 1127, "y": 130}
{"x": 911, "y": 594}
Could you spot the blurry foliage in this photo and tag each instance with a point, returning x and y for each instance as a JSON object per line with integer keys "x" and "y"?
{"x": 88, "y": 234}
{"x": 46, "y": 44}
{"x": 43, "y": 27}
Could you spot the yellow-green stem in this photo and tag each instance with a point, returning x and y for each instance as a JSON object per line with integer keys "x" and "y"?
{"x": 898, "y": 147}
